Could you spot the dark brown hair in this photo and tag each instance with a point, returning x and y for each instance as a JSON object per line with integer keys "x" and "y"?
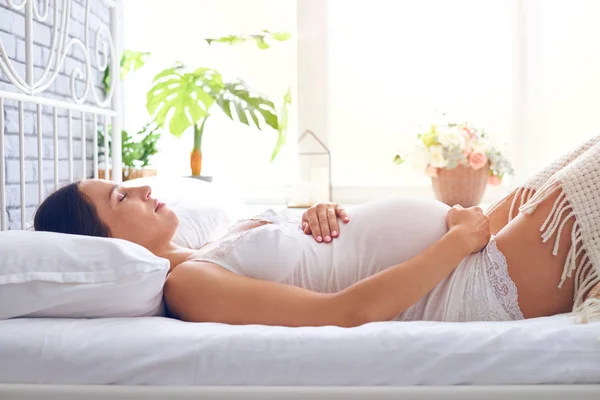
{"x": 68, "y": 210}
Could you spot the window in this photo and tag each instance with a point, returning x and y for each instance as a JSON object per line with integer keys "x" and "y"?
{"x": 173, "y": 31}
{"x": 394, "y": 65}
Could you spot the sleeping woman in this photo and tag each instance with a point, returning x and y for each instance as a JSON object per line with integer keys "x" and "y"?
{"x": 535, "y": 253}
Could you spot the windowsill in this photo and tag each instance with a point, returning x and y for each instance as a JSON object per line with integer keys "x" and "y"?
{"x": 351, "y": 195}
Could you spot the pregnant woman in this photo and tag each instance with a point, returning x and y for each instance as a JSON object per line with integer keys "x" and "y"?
{"x": 395, "y": 259}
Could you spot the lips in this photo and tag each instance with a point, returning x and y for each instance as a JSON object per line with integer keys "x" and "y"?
{"x": 159, "y": 205}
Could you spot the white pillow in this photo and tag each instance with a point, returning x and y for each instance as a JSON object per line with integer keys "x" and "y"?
{"x": 203, "y": 208}
{"x": 44, "y": 274}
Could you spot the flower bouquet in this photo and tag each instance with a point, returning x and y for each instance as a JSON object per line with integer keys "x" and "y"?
{"x": 460, "y": 160}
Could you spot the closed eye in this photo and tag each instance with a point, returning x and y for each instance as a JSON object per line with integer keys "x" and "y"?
{"x": 122, "y": 197}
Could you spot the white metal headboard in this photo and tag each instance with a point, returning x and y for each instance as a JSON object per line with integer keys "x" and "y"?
{"x": 89, "y": 104}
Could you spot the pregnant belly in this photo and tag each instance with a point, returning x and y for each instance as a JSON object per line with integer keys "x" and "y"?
{"x": 380, "y": 234}
{"x": 384, "y": 233}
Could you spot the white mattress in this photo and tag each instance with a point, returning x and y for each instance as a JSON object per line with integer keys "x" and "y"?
{"x": 161, "y": 351}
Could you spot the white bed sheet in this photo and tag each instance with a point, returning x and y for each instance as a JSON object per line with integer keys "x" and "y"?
{"x": 161, "y": 351}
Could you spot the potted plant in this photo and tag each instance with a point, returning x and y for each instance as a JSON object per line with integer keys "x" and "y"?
{"x": 140, "y": 147}
{"x": 137, "y": 150}
{"x": 182, "y": 98}
{"x": 460, "y": 160}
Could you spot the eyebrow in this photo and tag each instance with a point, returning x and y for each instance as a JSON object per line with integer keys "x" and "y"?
{"x": 110, "y": 193}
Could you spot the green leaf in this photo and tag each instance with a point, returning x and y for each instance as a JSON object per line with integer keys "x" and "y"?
{"x": 230, "y": 39}
{"x": 243, "y": 99}
{"x": 225, "y": 106}
{"x": 282, "y": 123}
{"x": 261, "y": 39}
{"x": 255, "y": 120}
{"x": 179, "y": 99}
{"x": 167, "y": 72}
{"x": 429, "y": 139}
{"x": 137, "y": 149}
{"x": 260, "y": 42}
{"x": 179, "y": 123}
{"x": 241, "y": 113}
{"x": 281, "y": 36}
{"x": 131, "y": 61}
{"x": 106, "y": 80}
{"x": 398, "y": 159}
{"x": 201, "y": 72}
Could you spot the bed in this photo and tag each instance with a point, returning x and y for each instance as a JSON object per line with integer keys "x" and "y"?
{"x": 436, "y": 360}
{"x": 159, "y": 357}
{"x": 167, "y": 352}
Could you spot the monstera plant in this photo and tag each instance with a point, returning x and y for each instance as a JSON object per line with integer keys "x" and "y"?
{"x": 182, "y": 98}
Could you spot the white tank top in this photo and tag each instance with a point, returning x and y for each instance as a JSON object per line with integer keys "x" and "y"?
{"x": 380, "y": 234}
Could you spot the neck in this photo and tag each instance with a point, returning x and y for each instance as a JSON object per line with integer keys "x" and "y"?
{"x": 175, "y": 254}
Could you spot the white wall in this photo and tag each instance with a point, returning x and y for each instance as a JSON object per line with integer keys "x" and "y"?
{"x": 563, "y": 77}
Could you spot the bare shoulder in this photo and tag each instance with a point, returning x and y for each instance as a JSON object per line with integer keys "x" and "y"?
{"x": 194, "y": 273}
{"x": 193, "y": 285}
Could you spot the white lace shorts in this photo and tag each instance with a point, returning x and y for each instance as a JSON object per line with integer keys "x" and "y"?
{"x": 480, "y": 289}
{"x": 490, "y": 294}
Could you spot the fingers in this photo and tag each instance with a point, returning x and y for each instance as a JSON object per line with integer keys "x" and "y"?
{"x": 324, "y": 225}
{"x": 321, "y": 221}
{"x": 304, "y": 223}
{"x": 332, "y": 222}
{"x": 315, "y": 227}
{"x": 306, "y": 227}
{"x": 342, "y": 214}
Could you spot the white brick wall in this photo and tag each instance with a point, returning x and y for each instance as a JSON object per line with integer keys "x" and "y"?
{"x": 12, "y": 27}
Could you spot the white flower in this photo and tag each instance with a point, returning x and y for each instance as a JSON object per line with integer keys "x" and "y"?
{"x": 480, "y": 146}
{"x": 419, "y": 158}
{"x": 436, "y": 157}
{"x": 451, "y": 138}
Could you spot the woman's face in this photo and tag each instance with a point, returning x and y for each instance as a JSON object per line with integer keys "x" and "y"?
{"x": 131, "y": 213}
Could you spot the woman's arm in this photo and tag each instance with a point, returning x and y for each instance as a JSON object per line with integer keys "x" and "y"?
{"x": 204, "y": 292}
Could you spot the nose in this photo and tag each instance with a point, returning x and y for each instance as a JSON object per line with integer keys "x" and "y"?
{"x": 145, "y": 192}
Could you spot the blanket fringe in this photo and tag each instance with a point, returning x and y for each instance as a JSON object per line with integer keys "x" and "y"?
{"x": 522, "y": 195}
{"x": 588, "y": 312}
{"x": 498, "y": 203}
{"x": 577, "y": 260}
{"x": 551, "y": 186}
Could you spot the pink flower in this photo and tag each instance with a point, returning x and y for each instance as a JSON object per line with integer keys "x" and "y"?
{"x": 494, "y": 180}
{"x": 431, "y": 171}
{"x": 466, "y": 132}
{"x": 477, "y": 160}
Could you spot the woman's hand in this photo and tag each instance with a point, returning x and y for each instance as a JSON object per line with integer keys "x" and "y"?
{"x": 321, "y": 220}
{"x": 472, "y": 224}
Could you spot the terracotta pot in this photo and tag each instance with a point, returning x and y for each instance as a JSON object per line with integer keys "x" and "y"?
{"x": 131, "y": 173}
{"x": 460, "y": 185}
{"x": 196, "y": 162}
